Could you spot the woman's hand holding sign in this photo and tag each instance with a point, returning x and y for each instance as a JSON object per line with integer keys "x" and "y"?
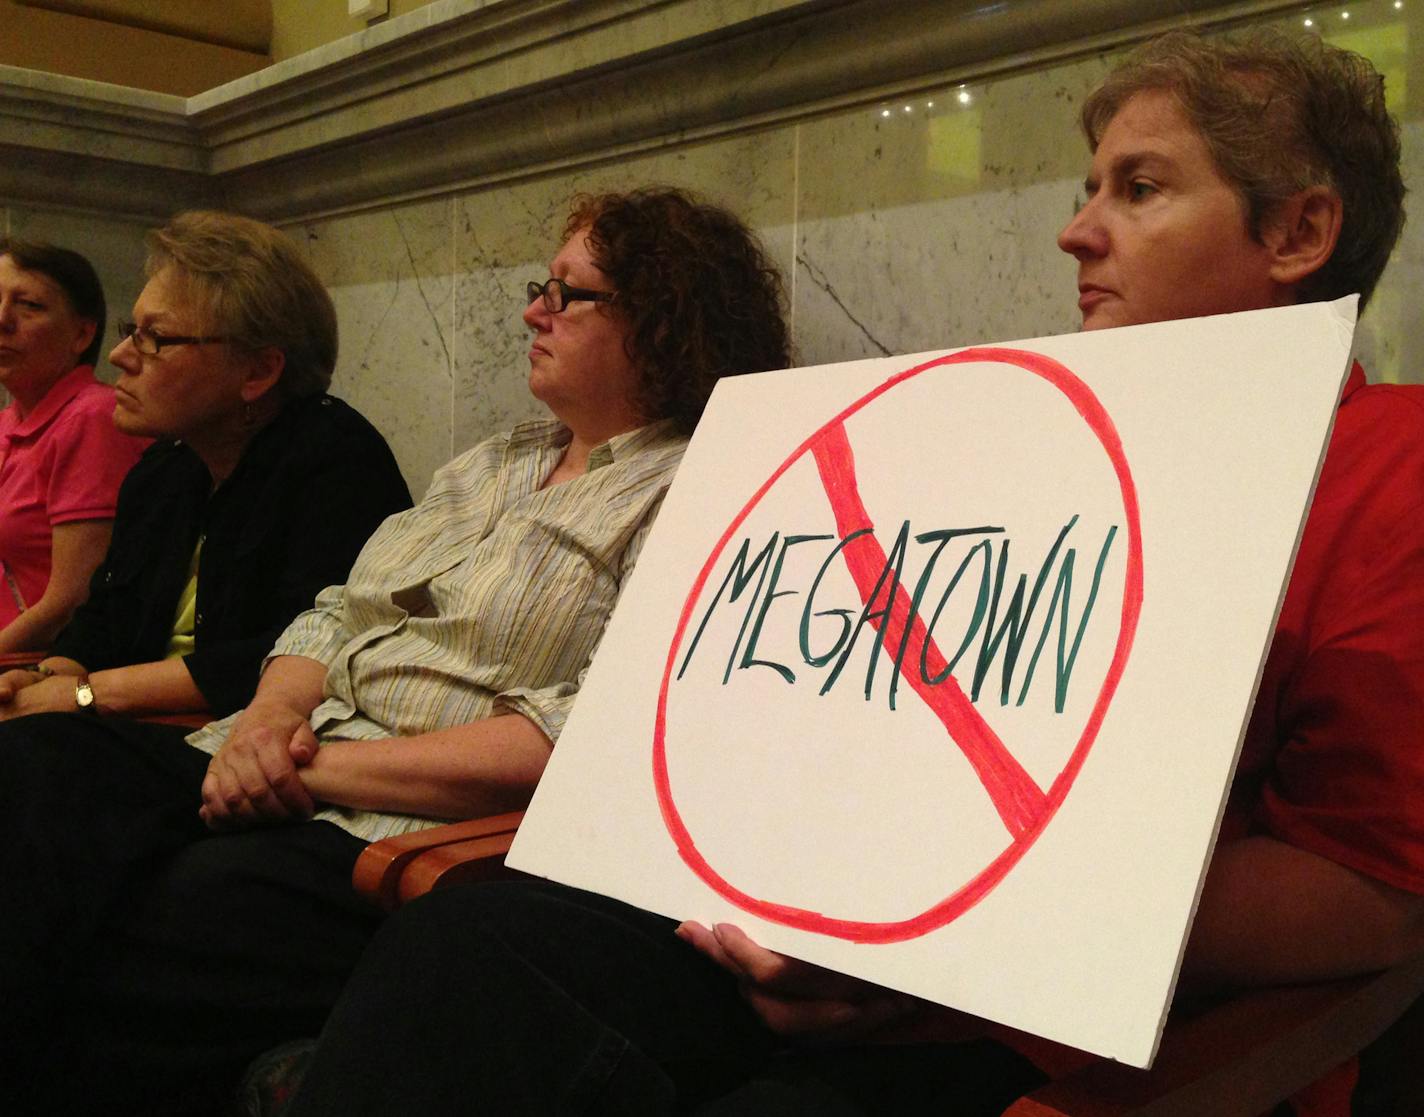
{"x": 796, "y": 999}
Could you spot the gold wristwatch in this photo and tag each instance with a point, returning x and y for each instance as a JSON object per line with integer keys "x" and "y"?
{"x": 84, "y": 696}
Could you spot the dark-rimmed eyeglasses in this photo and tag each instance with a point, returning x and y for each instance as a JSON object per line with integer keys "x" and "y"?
{"x": 149, "y": 342}
{"x": 557, "y": 294}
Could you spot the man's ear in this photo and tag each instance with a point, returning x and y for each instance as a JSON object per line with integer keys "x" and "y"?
{"x": 1303, "y": 234}
{"x": 264, "y": 370}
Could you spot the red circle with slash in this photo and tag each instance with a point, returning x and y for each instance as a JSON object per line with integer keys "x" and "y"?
{"x": 1025, "y": 808}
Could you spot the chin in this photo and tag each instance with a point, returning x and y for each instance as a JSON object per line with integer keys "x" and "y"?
{"x": 1104, "y": 319}
{"x": 125, "y": 423}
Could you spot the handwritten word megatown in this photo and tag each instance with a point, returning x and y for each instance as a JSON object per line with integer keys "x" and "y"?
{"x": 896, "y": 611}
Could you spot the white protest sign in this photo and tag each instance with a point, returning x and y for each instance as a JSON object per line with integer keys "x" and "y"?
{"x": 934, "y": 669}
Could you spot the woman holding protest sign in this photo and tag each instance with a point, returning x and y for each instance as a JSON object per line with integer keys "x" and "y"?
{"x": 1227, "y": 175}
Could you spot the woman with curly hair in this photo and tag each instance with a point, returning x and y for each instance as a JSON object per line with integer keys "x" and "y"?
{"x": 203, "y": 910}
{"x": 662, "y": 252}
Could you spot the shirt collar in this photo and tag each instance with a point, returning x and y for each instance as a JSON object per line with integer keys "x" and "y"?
{"x": 65, "y": 389}
{"x": 1354, "y": 382}
{"x": 551, "y": 432}
{"x": 539, "y": 432}
{"x": 633, "y": 442}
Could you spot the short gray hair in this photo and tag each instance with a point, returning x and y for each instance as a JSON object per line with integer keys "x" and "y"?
{"x": 1281, "y": 113}
{"x": 256, "y": 288}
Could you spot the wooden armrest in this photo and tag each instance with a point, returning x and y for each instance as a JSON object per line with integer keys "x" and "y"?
{"x": 379, "y": 870}
{"x": 10, "y": 660}
{"x": 1241, "y": 1057}
{"x": 474, "y": 859}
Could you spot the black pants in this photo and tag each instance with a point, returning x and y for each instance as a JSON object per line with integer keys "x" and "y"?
{"x": 530, "y": 998}
{"x": 143, "y": 960}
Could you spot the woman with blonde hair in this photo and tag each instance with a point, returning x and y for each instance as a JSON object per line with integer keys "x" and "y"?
{"x": 259, "y": 491}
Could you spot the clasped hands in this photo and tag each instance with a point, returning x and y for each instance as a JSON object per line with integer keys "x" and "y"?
{"x": 29, "y": 692}
{"x": 255, "y": 778}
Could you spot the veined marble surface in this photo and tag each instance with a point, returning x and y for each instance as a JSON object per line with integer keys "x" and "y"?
{"x": 390, "y": 276}
{"x": 930, "y": 221}
{"x": 429, "y": 295}
{"x": 919, "y": 229}
{"x": 920, "y": 222}
{"x": 1390, "y": 336}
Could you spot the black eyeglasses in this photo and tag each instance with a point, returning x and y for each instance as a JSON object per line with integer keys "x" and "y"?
{"x": 149, "y": 342}
{"x": 557, "y": 294}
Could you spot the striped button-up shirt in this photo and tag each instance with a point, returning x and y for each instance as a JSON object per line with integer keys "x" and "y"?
{"x": 488, "y": 597}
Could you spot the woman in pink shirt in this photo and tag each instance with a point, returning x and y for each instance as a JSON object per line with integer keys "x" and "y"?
{"x": 61, "y": 459}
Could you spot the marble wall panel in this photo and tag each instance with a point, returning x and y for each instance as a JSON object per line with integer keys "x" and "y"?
{"x": 1390, "y": 336}
{"x": 505, "y": 236}
{"x": 913, "y": 224}
{"x": 931, "y": 221}
{"x": 114, "y": 247}
{"x": 389, "y": 272}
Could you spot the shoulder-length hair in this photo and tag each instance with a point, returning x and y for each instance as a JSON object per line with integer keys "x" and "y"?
{"x": 700, "y": 297}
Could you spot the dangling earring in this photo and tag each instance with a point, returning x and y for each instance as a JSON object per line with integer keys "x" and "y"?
{"x": 249, "y": 415}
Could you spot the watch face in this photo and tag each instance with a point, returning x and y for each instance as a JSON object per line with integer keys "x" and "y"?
{"x": 83, "y": 695}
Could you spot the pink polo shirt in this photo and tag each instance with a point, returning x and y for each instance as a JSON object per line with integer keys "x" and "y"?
{"x": 62, "y": 462}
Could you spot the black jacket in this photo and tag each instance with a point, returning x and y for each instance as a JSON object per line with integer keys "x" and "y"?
{"x": 310, "y": 489}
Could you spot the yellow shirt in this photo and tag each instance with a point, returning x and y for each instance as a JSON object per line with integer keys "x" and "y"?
{"x": 181, "y": 642}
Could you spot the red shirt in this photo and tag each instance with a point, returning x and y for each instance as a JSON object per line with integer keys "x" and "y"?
{"x": 62, "y": 462}
{"x": 1333, "y": 761}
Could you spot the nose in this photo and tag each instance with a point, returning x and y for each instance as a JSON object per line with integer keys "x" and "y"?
{"x": 536, "y": 315}
{"x": 7, "y": 315}
{"x": 1084, "y": 236}
{"x": 124, "y": 355}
